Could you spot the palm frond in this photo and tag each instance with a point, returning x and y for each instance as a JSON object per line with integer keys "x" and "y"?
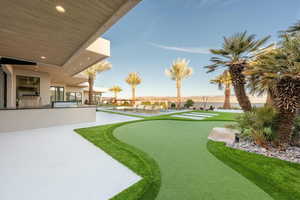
{"x": 116, "y": 89}
{"x": 222, "y": 80}
{"x": 238, "y": 48}
{"x": 98, "y": 68}
{"x": 179, "y": 70}
{"x": 133, "y": 79}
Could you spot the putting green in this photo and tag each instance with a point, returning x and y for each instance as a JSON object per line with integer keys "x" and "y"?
{"x": 189, "y": 171}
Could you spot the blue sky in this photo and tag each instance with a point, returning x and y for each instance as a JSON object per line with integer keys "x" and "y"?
{"x": 156, "y": 32}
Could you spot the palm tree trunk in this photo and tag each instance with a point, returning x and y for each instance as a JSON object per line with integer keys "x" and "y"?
{"x": 285, "y": 127}
{"x": 227, "y": 98}
{"x": 269, "y": 101}
{"x": 178, "y": 87}
{"x": 238, "y": 82}
{"x": 133, "y": 94}
{"x": 91, "y": 86}
{"x": 287, "y": 101}
{"x": 115, "y": 98}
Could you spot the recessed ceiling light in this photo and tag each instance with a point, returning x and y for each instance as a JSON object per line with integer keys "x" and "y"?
{"x": 43, "y": 57}
{"x": 60, "y": 9}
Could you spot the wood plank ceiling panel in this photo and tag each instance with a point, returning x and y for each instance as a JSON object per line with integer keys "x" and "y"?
{"x": 30, "y": 29}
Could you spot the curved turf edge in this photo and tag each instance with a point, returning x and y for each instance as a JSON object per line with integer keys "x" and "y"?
{"x": 133, "y": 158}
{"x": 280, "y": 179}
{"x": 139, "y": 162}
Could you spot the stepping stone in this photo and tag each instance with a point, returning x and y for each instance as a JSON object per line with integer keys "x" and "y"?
{"x": 223, "y": 135}
{"x": 200, "y": 115}
{"x": 189, "y": 117}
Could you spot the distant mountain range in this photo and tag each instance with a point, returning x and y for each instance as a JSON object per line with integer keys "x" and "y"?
{"x": 233, "y": 99}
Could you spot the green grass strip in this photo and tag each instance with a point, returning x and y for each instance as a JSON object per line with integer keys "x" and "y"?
{"x": 280, "y": 179}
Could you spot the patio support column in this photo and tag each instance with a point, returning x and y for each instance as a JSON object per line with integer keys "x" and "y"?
{"x": 10, "y": 84}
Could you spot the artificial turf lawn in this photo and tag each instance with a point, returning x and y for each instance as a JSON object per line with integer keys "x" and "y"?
{"x": 279, "y": 178}
{"x": 188, "y": 170}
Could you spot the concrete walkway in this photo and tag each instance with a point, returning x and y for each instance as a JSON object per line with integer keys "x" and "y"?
{"x": 57, "y": 164}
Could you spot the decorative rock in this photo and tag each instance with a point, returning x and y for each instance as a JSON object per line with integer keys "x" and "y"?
{"x": 223, "y": 135}
{"x": 292, "y": 154}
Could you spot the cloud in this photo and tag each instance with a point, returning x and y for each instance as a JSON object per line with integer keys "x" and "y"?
{"x": 208, "y": 3}
{"x": 196, "y": 50}
{"x": 229, "y": 2}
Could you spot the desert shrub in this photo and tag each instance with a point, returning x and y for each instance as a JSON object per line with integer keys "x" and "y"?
{"x": 146, "y": 103}
{"x": 258, "y": 125}
{"x": 164, "y": 105}
{"x": 173, "y": 105}
{"x": 189, "y": 103}
{"x": 126, "y": 103}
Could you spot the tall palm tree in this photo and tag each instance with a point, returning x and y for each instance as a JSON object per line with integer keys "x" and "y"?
{"x": 92, "y": 71}
{"x": 224, "y": 80}
{"x": 116, "y": 89}
{"x": 280, "y": 69}
{"x": 133, "y": 79}
{"x": 235, "y": 54}
{"x": 178, "y": 72}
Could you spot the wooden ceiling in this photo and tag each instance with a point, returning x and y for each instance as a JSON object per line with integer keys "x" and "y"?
{"x": 30, "y": 29}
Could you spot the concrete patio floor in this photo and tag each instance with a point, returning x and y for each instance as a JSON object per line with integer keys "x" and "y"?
{"x": 57, "y": 164}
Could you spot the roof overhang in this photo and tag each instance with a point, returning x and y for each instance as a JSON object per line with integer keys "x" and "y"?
{"x": 96, "y": 89}
{"x": 56, "y": 74}
{"x": 35, "y": 31}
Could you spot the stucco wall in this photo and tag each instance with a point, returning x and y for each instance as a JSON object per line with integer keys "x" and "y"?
{"x": 16, "y": 120}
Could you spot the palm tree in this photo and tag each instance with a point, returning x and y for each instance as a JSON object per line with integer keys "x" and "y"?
{"x": 235, "y": 54}
{"x": 280, "y": 70}
{"x": 224, "y": 80}
{"x": 256, "y": 85}
{"x": 116, "y": 89}
{"x": 179, "y": 71}
{"x": 133, "y": 79}
{"x": 92, "y": 71}
{"x": 259, "y": 88}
